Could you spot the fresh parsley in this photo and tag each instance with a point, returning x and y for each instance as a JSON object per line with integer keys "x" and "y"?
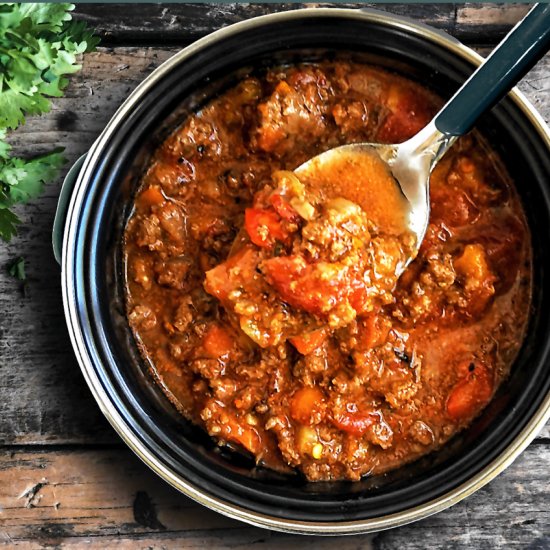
{"x": 39, "y": 45}
{"x": 16, "y": 269}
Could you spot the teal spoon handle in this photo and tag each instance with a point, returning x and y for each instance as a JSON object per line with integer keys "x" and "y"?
{"x": 509, "y": 62}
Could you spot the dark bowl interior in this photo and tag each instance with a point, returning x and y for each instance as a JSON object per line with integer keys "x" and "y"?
{"x": 99, "y": 292}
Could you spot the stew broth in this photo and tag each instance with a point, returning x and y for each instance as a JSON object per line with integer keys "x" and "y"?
{"x": 248, "y": 353}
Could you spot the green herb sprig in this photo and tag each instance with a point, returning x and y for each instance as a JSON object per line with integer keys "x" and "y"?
{"x": 39, "y": 45}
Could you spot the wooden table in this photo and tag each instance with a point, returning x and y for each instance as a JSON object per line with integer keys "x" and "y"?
{"x": 65, "y": 477}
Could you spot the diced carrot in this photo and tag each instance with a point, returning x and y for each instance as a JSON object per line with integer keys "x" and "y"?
{"x": 243, "y": 434}
{"x": 476, "y": 277}
{"x": 263, "y": 227}
{"x": 305, "y": 402}
{"x": 283, "y": 88}
{"x": 472, "y": 265}
{"x": 306, "y": 343}
{"x": 217, "y": 342}
{"x": 151, "y": 197}
{"x": 470, "y": 394}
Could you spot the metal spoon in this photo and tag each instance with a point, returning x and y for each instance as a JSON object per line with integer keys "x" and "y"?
{"x": 405, "y": 204}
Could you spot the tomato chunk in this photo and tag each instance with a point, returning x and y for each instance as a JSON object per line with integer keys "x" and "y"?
{"x": 264, "y": 227}
{"x": 372, "y": 331}
{"x": 314, "y": 288}
{"x": 355, "y": 423}
{"x": 409, "y": 113}
{"x": 283, "y": 208}
{"x": 470, "y": 394}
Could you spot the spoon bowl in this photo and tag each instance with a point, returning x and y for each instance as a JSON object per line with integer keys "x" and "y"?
{"x": 391, "y": 181}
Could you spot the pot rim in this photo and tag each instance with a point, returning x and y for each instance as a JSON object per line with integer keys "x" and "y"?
{"x": 523, "y": 439}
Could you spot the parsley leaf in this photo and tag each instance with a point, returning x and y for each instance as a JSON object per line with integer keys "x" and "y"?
{"x": 8, "y": 223}
{"x": 14, "y": 105}
{"x": 29, "y": 176}
{"x": 16, "y": 268}
{"x": 39, "y": 45}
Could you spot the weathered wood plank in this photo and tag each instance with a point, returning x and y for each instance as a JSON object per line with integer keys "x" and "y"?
{"x": 476, "y": 21}
{"x": 43, "y": 395}
{"x": 181, "y": 23}
{"x": 105, "y": 497}
{"x": 483, "y": 14}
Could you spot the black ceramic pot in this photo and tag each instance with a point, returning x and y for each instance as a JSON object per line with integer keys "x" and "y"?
{"x": 92, "y": 277}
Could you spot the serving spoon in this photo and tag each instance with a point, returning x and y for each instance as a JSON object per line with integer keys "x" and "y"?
{"x": 403, "y": 204}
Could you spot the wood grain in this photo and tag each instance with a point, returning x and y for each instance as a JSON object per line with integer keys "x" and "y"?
{"x": 164, "y": 23}
{"x": 181, "y": 23}
{"x": 99, "y": 498}
{"x": 43, "y": 394}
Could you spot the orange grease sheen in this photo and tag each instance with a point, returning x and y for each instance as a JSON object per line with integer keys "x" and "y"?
{"x": 364, "y": 178}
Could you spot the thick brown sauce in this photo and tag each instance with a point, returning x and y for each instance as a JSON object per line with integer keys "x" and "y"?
{"x": 393, "y": 384}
